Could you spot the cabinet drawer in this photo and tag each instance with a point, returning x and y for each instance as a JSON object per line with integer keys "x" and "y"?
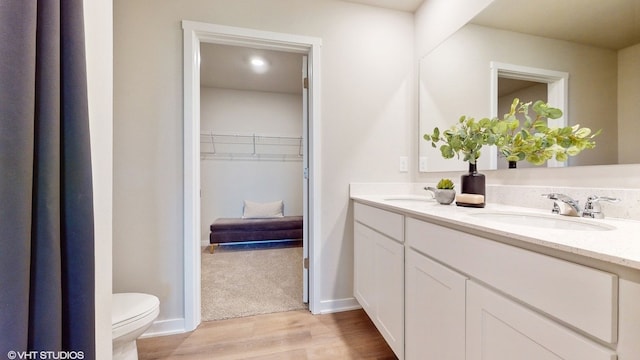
{"x": 386, "y": 222}
{"x": 580, "y": 296}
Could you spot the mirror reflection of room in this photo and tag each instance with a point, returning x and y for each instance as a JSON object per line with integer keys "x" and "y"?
{"x": 454, "y": 77}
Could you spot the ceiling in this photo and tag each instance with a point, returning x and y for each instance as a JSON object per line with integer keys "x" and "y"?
{"x": 612, "y": 24}
{"x": 228, "y": 67}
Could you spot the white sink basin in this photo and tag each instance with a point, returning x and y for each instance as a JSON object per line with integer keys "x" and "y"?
{"x": 544, "y": 221}
{"x": 414, "y": 198}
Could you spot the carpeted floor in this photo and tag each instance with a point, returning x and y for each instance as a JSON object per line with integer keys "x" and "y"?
{"x": 244, "y": 280}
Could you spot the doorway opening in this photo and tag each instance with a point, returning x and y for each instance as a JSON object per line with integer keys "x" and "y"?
{"x": 557, "y": 88}
{"x": 195, "y": 33}
{"x": 251, "y": 143}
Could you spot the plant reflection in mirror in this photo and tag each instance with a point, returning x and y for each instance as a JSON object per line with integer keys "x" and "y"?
{"x": 532, "y": 140}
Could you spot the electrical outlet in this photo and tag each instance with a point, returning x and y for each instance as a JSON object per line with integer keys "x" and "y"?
{"x": 422, "y": 166}
{"x": 404, "y": 164}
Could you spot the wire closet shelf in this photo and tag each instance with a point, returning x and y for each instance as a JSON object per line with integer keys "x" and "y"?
{"x": 251, "y": 147}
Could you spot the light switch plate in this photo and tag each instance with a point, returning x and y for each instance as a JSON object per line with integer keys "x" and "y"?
{"x": 404, "y": 164}
{"x": 422, "y": 166}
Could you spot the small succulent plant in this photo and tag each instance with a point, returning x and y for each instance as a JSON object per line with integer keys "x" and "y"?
{"x": 445, "y": 184}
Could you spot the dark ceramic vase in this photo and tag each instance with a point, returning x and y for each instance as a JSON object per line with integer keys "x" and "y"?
{"x": 473, "y": 182}
{"x": 513, "y": 164}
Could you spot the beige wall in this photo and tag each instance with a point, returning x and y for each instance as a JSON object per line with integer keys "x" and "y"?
{"x": 367, "y": 106}
{"x": 99, "y": 52}
{"x": 629, "y": 105}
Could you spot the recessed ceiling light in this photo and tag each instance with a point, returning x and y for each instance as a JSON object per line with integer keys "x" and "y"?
{"x": 258, "y": 64}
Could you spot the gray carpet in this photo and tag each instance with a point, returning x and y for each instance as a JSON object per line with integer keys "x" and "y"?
{"x": 240, "y": 280}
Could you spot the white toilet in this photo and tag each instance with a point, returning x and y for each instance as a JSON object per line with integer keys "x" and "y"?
{"x": 131, "y": 316}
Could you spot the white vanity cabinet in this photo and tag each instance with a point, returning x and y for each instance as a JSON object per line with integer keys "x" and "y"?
{"x": 379, "y": 271}
{"x": 444, "y": 290}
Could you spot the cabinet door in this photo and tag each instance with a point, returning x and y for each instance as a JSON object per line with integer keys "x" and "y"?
{"x": 435, "y": 308}
{"x": 501, "y": 329}
{"x": 389, "y": 277}
{"x": 379, "y": 283}
{"x": 363, "y": 282}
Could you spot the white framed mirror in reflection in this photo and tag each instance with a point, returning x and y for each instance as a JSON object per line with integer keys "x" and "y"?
{"x": 603, "y": 73}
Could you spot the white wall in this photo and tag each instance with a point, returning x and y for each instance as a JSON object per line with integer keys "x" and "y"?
{"x": 435, "y": 21}
{"x": 99, "y": 52}
{"x": 367, "y": 105}
{"x": 629, "y": 105}
{"x": 227, "y": 182}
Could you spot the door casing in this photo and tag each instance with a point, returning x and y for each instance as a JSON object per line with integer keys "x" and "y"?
{"x": 195, "y": 33}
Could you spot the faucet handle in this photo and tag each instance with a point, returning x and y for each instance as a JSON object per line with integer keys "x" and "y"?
{"x": 592, "y": 207}
{"x": 604, "y": 198}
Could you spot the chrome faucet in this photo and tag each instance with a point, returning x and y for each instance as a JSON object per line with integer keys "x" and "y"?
{"x": 593, "y": 209}
{"x": 564, "y": 205}
{"x": 431, "y": 190}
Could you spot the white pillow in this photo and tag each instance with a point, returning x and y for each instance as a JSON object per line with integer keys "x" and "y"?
{"x": 255, "y": 210}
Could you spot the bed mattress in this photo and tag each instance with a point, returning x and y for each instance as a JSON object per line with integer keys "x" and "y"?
{"x": 236, "y": 230}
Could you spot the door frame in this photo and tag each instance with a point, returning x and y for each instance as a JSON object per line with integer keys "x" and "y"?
{"x": 195, "y": 33}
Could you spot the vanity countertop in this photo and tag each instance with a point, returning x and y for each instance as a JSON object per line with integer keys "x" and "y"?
{"x": 620, "y": 245}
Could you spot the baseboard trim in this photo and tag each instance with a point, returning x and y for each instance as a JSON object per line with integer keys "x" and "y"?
{"x": 338, "y": 305}
{"x": 177, "y": 326}
{"x": 165, "y": 327}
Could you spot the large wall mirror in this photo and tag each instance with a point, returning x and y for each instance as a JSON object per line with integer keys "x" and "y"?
{"x": 596, "y": 43}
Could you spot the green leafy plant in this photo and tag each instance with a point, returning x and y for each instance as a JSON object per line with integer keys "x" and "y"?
{"x": 445, "y": 184}
{"x": 465, "y": 138}
{"x": 533, "y": 140}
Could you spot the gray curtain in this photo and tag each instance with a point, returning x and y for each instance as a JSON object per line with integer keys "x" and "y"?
{"x": 46, "y": 201}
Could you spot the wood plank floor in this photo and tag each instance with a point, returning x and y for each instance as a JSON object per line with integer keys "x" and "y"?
{"x": 287, "y": 335}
